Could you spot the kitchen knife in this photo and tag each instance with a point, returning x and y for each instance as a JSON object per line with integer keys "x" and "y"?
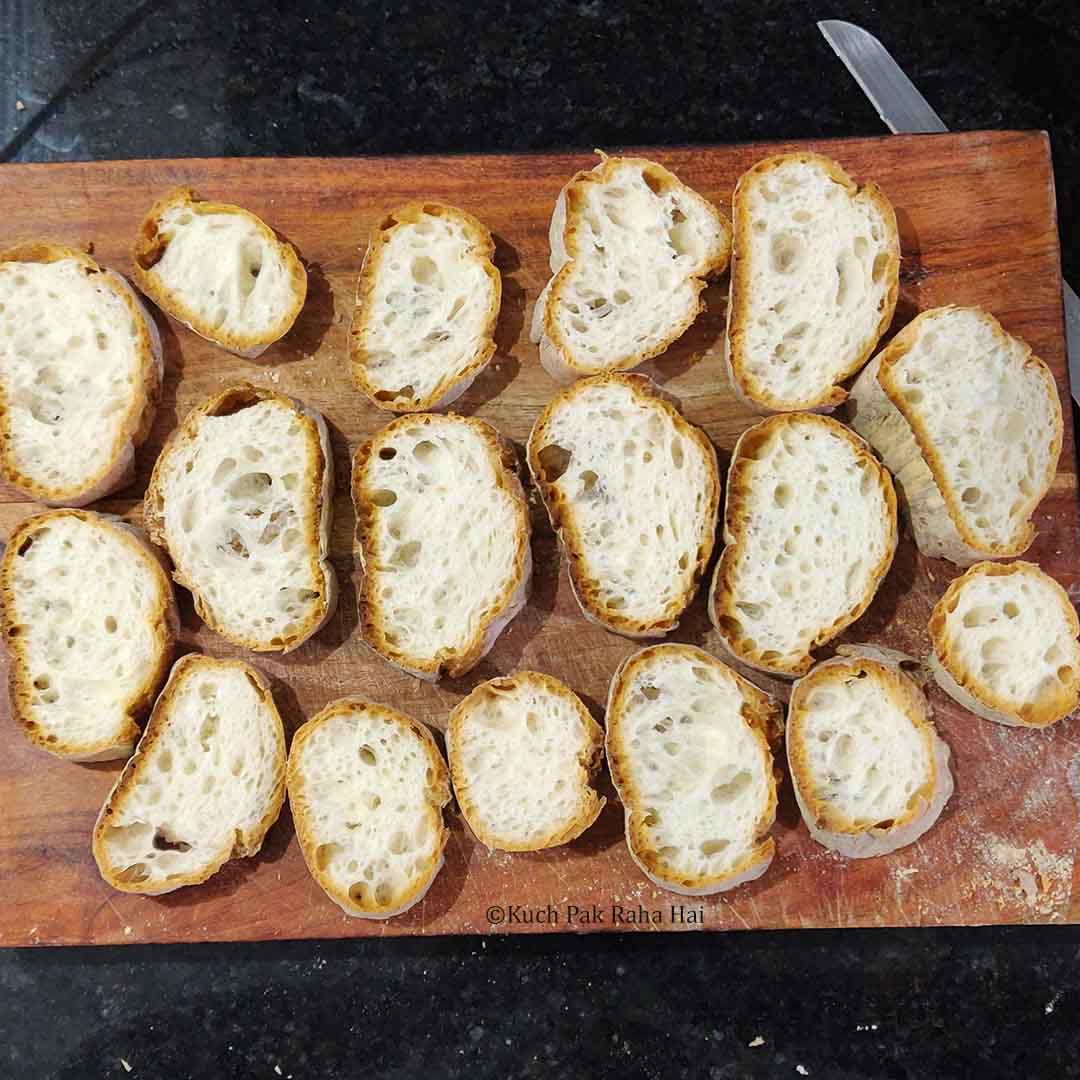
{"x": 905, "y": 110}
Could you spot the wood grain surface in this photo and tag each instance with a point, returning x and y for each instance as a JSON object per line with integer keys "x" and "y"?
{"x": 978, "y": 226}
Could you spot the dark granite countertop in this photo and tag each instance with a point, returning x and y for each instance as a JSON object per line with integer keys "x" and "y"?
{"x": 115, "y": 79}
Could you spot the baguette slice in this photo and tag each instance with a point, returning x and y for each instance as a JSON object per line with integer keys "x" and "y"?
{"x": 206, "y": 783}
{"x": 1005, "y": 645}
{"x": 426, "y": 308}
{"x": 632, "y": 491}
{"x": 80, "y": 375}
{"x": 690, "y": 747}
{"x": 810, "y": 528}
{"x": 219, "y": 270}
{"x": 969, "y": 422}
{"x": 815, "y": 273}
{"x": 241, "y": 498}
{"x": 631, "y": 247}
{"x": 90, "y": 623}
{"x": 367, "y": 787}
{"x": 442, "y": 535}
{"x": 523, "y": 750}
{"x": 870, "y": 772}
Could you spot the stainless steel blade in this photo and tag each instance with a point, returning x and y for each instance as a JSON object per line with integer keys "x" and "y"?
{"x": 891, "y": 92}
{"x": 904, "y": 110}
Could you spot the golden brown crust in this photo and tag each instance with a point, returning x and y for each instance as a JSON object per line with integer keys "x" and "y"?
{"x": 241, "y": 844}
{"x": 738, "y": 311}
{"x": 765, "y": 719}
{"x": 232, "y": 400}
{"x": 560, "y": 509}
{"x": 438, "y": 793}
{"x": 575, "y": 194}
{"x": 139, "y": 414}
{"x": 164, "y": 623}
{"x": 373, "y": 626}
{"x": 737, "y": 521}
{"x": 1052, "y": 704}
{"x": 589, "y": 760}
{"x": 150, "y": 246}
{"x": 483, "y": 248}
{"x": 904, "y": 694}
{"x": 890, "y": 356}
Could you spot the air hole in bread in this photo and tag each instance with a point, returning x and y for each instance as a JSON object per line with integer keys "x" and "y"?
{"x": 408, "y": 554}
{"x": 615, "y": 603}
{"x": 653, "y": 181}
{"x": 357, "y": 892}
{"x": 880, "y": 264}
{"x": 651, "y": 692}
{"x": 1065, "y": 673}
{"x": 554, "y": 461}
{"x": 207, "y": 730}
{"x": 391, "y": 395}
{"x": 621, "y": 296}
{"x": 325, "y": 855}
{"x": 367, "y": 755}
{"x": 786, "y": 252}
{"x": 42, "y": 682}
{"x": 970, "y": 495}
{"x": 588, "y": 481}
{"x": 383, "y": 894}
{"x": 782, "y": 495}
{"x": 223, "y": 470}
{"x": 383, "y": 497}
{"x": 134, "y": 874}
{"x": 714, "y": 847}
{"x": 163, "y": 842}
{"x": 425, "y": 450}
{"x": 251, "y": 485}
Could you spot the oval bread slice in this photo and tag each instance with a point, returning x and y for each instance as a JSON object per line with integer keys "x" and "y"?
{"x": 90, "y": 623}
{"x": 969, "y": 422}
{"x": 689, "y": 744}
{"x": 367, "y": 787}
{"x": 815, "y": 271}
{"x": 442, "y": 534}
{"x": 219, "y": 270}
{"x": 241, "y": 497}
{"x": 631, "y": 247}
{"x": 523, "y": 750}
{"x": 1005, "y": 645}
{"x": 632, "y": 490}
{"x": 870, "y": 772}
{"x": 426, "y": 308}
{"x": 80, "y": 375}
{"x": 810, "y": 528}
{"x": 206, "y": 783}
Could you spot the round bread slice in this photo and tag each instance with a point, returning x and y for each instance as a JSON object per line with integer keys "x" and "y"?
{"x": 631, "y": 248}
{"x": 80, "y": 375}
{"x": 969, "y": 422}
{"x": 90, "y": 624}
{"x": 815, "y": 272}
{"x": 1005, "y": 645}
{"x": 219, "y": 270}
{"x": 241, "y": 497}
{"x": 810, "y": 528}
{"x": 632, "y": 491}
{"x": 367, "y": 787}
{"x": 870, "y": 772}
{"x": 690, "y": 748}
{"x": 426, "y": 308}
{"x": 442, "y": 535}
{"x": 206, "y": 783}
{"x": 523, "y": 751}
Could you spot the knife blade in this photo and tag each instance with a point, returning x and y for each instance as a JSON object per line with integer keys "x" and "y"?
{"x": 905, "y": 111}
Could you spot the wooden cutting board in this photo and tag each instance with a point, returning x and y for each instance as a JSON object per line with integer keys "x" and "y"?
{"x": 978, "y": 226}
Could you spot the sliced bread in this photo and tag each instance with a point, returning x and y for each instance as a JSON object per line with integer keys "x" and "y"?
{"x": 219, "y": 270}
{"x": 1005, "y": 645}
{"x": 523, "y": 751}
{"x": 90, "y": 624}
{"x": 631, "y": 247}
{"x": 442, "y": 535}
{"x": 426, "y": 308}
{"x": 80, "y": 375}
{"x": 870, "y": 772}
{"x": 632, "y": 490}
{"x": 969, "y": 422}
{"x": 810, "y": 528}
{"x": 367, "y": 787}
{"x": 241, "y": 498}
{"x": 206, "y": 783}
{"x": 690, "y": 747}
{"x": 815, "y": 269}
